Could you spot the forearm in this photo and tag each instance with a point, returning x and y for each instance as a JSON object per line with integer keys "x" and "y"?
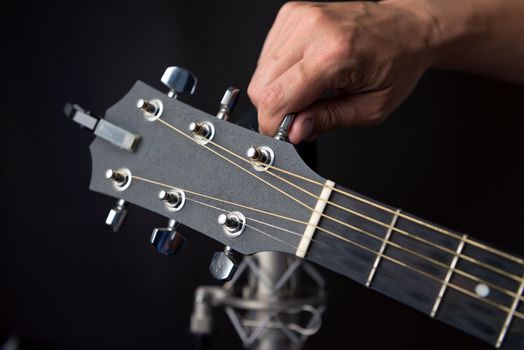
{"x": 479, "y": 36}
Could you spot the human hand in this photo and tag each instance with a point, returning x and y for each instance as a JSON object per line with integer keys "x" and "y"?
{"x": 366, "y": 57}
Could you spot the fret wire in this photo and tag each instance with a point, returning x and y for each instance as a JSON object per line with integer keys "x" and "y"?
{"x": 408, "y": 217}
{"x": 381, "y": 253}
{"x": 382, "y": 248}
{"x": 510, "y": 315}
{"x": 384, "y": 256}
{"x": 308, "y": 207}
{"x": 434, "y": 245}
{"x": 407, "y": 234}
{"x": 448, "y": 276}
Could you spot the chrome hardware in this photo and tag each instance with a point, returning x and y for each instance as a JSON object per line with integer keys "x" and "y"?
{"x": 116, "y": 176}
{"x": 152, "y": 109}
{"x": 261, "y": 157}
{"x": 283, "y": 130}
{"x": 100, "y": 127}
{"x": 115, "y": 217}
{"x": 202, "y": 131}
{"x": 121, "y": 178}
{"x": 174, "y": 199}
{"x": 233, "y": 223}
{"x": 228, "y": 103}
{"x": 168, "y": 240}
{"x": 224, "y": 264}
{"x": 179, "y": 80}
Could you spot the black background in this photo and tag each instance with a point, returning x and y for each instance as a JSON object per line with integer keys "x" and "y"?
{"x": 452, "y": 153}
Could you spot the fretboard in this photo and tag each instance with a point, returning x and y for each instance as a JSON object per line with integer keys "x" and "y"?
{"x": 446, "y": 275}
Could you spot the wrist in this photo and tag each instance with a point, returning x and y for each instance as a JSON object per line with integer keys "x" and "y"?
{"x": 426, "y": 32}
{"x": 445, "y": 26}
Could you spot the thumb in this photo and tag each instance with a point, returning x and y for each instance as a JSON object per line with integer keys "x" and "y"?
{"x": 337, "y": 112}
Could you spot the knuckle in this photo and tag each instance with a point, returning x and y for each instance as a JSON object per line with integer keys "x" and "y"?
{"x": 289, "y": 7}
{"x": 315, "y": 16}
{"x": 253, "y": 91}
{"x": 264, "y": 127}
{"x": 270, "y": 97}
{"x": 340, "y": 46}
{"x": 334, "y": 117}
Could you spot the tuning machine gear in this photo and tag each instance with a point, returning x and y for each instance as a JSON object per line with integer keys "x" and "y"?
{"x": 179, "y": 80}
{"x": 117, "y": 214}
{"x": 228, "y": 103}
{"x": 283, "y": 129}
{"x": 224, "y": 264}
{"x": 168, "y": 240}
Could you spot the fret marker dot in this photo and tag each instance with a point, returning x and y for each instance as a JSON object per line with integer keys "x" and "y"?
{"x": 482, "y": 290}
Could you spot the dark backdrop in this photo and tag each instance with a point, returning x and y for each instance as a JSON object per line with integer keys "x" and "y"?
{"x": 452, "y": 153}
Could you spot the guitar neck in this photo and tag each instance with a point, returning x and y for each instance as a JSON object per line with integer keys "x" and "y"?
{"x": 446, "y": 275}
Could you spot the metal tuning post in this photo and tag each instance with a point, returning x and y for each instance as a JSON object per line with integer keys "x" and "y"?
{"x": 203, "y": 132}
{"x": 224, "y": 264}
{"x": 116, "y": 215}
{"x": 283, "y": 130}
{"x": 261, "y": 157}
{"x": 174, "y": 199}
{"x": 168, "y": 240}
{"x": 179, "y": 80}
{"x": 228, "y": 103}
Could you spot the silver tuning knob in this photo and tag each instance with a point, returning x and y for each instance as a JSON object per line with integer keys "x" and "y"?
{"x": 168, "y": 240}
{"x": 283, "y": 130}
{"x": 179, "y": 80}
{"x": 115, "y": 217}
{"x": 228, "y": 103}
{"x": 224, "y": 264}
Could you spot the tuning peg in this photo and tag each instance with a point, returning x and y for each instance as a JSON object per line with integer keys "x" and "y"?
{"x": 224, "y": 264}
{"x": 228, "y": 103}
{"x": 179, "y": 80}
{"x": 168, "y": 240}
{"x": 283, "y": 130}
{"x": 116, "y": 215}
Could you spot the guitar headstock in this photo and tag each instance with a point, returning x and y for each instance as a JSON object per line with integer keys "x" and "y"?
{"x": 199, "y": 170}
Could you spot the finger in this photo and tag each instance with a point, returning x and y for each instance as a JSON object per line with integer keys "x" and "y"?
{"x": 336, "y": 112}
{"x": 292, "y": 91}
{"x": 272, "y": 68}
{"x": 286, "y": 21}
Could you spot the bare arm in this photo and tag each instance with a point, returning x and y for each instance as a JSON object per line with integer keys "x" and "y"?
{"x": 480, "y": 36}
{"x": 367, "y": 57}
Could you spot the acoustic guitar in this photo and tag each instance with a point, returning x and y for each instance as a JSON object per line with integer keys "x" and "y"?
{"x": 253, "y": 193}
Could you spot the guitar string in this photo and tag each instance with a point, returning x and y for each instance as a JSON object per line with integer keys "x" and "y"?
{"x": 467, "y": 275}
{"x": 398, "y": 262}
{"x": 435, "y": 262}
{"x": 405, "y": 233}
{"x": 378, "y": 222}
{"x": 449, "y": 251}
{"x": 310, "y": 208}
{"x": 336, "y": 250}
{"x": 407, "y": 217}
{"x": 302, "y": 203}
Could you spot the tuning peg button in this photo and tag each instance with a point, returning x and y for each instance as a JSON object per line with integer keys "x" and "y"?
{"x": 224, "y": 264}
{"x": 283, "y": 130}
{"x": 168, "y": 240}
{"x": 116, "y": 215}
{"x": 179, "y": 80}
{"x": 228, "y": 103}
